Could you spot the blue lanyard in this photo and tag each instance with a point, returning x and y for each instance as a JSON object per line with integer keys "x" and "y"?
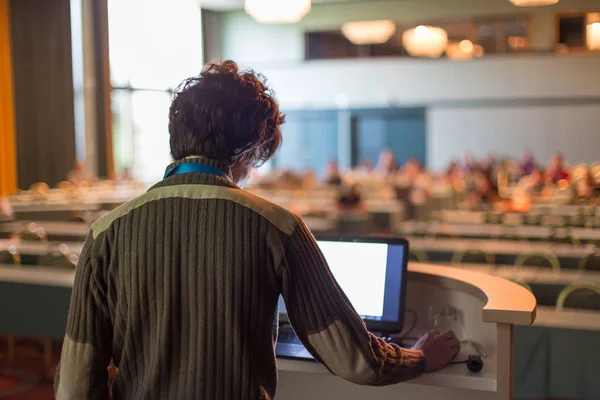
{"x": 192, "y": 167}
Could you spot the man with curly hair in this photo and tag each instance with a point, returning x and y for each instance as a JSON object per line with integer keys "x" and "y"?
{"x": 180, "y": 287}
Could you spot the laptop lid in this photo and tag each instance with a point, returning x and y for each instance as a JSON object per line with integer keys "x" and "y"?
{"x": 372, "y": 274}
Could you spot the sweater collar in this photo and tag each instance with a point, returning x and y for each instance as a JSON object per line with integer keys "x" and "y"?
{"x": 222, "y": 165}
{"x": 197, "y": 178}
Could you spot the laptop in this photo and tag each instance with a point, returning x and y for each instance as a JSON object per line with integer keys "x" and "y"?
{"x": 372, "y": 273}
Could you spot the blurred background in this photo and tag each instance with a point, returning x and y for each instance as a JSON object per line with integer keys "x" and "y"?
{"x": 472, "y": 127}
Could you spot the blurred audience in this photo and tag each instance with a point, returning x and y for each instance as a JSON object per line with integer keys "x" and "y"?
{"x": 309, "y": 180}
{"x": 333, "y": 175}
{"x": 557, "y": 171}
{"x": 365, "y": 167}
{"x": 350, "y": 199}
{"x": 386, "y": 165}
{"x": 467, "y": 162}
{"x": 489, "y": 165}
{"x": 584, "y": 187}
{"x": 473, "y": 183}
{"x": 528, "y": 164}
{"x": 79, "y": 174}
{"x": 532, "y": 183}
{"x": 486, "y": 191}
{"x": 6, "y": 212}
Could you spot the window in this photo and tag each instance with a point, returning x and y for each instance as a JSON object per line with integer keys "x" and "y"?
{"x": 153, "y": 47}
{"x": 499, "y": 35}
{"x": 577, "y": 31}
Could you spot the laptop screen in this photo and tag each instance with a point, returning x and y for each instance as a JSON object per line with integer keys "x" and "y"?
{"x": 371, "y": 273}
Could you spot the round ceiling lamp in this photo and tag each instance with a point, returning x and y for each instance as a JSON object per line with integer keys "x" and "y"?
{"x": 533, "y": 3}
{"x": 277, "y": 11}
{"x": 593, "y": 36}
{"x": 463, "y": 50}
{"x": 425, "y": 41}
{"x": 369, "y": 32}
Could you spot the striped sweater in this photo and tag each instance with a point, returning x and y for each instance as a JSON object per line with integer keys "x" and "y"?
{"x": 180, "y": 287}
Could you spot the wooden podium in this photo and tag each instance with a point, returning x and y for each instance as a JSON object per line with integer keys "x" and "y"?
{"x": 490, "y": 307}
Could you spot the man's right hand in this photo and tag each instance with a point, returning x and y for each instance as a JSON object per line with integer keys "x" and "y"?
{"x": 438, "y": 349}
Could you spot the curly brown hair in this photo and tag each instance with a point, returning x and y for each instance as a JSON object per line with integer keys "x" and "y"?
{"x": 226, "y": 115}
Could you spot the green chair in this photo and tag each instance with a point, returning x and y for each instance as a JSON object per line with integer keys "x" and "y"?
{"x": 548, "y": 260}
{"x": 34, "y": 232}
{"x": 417, "y": 256}
{"x": 10, "y": 256}
{"x": 473, "y": 256}
{"x": 591, "y": 262}
{"x": 563, "y": 235}
{"x": 585, "y": 296}
{"x": 57, "y": 259}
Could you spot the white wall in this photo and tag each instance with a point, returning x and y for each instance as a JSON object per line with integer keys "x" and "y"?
{"x": 506, "y": 131}
{"x": 384, "y": 82}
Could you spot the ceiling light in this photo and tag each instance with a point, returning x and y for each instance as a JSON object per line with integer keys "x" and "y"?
{"x": 369, "y": 32}
{"x": 277, "y": 11}
{"x": 533, "y": 3}
{"x": 466, "y": 46}
{"x": 425, "y": 41}
{"x": 593, "y": 36}
{"x": 463, "y": 50}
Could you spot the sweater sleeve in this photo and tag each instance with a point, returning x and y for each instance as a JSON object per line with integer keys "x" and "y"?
{"x": 329, "y": 327}
{"x": 86, "y": 354}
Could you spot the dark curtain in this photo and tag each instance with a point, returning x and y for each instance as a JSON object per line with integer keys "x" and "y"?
{"x": 43, "y": 85}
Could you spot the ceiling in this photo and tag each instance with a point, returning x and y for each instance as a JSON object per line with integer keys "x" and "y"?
{"x": 224, "y": 5}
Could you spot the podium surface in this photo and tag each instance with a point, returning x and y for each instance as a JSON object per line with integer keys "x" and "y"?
{"x": 490, "y": 307}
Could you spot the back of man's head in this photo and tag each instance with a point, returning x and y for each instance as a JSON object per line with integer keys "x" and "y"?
{"x": 225, "y": 115}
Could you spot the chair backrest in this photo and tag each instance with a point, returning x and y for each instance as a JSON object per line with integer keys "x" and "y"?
{"x": 472, "y": 256}
{"x": 34, "y": 232}
{"x": 58, "y": 260}
{"x": 10, "y": 256}
{"x": 444, "y": 231}
{"x": 65, "y": 186}
{"x": 418, "y": 256}
{"x": 513, "y": 219}
{"x": 354, "y": 224}
{"x": 591, "y": 262}
{"x": 538, "y": 260}
{"x": 579, "y": 295}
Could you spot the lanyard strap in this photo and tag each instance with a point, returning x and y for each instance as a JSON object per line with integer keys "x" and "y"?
{"x": 192, "y": 167}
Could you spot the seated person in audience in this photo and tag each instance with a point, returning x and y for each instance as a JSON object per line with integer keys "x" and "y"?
{"x": 557, "y": 171}
{"x": 486, "y": 191}
{"x": 527, "y": 165}
{"x": 468, "y": 163}
{"x": 489, "y": 165}
{"x": 180, "y": 286}
{"x": 386, "y": 166}
{"x": 6, "y": 212}
{"x": 412, "y": 169}
{"x": 289, "y": 180}
{"x": 309, "y": 180}
{"x": 126, "y": 175}
{"x": 419, "y": 180}
{"x": 79, "y": 174}
{"x": 531, "y": 184}
{"x": 350, "y": 199}
{"x": 584, "y": 187}
{"x": 365, "y": 168}
{"x": 453, "y": 174}
{"x": 333, "y": 175}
